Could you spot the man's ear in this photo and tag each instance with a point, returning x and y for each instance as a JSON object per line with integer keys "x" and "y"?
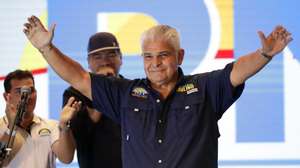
{"x": 121, "y": 59}
{"x": 180, "y": 56}
{"x": 5, "y": 96}
{"x": 88, "y": 61}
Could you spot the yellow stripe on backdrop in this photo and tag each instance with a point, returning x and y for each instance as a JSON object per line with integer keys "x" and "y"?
{"x": 225, "y": 9}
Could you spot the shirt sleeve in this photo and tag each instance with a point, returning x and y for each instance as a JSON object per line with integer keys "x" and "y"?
{"x": 72, "y": 92}
{"x": 107, "y": 94}
{"x": 221, "y": 91}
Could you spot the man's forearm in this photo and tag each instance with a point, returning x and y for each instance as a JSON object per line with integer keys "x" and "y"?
{"x": 246, "y": 66}
{"x": 68, "y": 69}
{"x": 64, "y": 148}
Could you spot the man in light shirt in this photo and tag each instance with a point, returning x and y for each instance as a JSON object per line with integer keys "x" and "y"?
{"x": 36, "y": 142}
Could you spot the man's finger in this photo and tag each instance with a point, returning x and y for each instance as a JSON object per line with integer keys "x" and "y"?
{"x": 52, "y": 29}
{"x": 262, "y": 37}
{"x": 35, "y": 19}
{"x": 26, "y": 31}
{"x": 30, "y": 20}
{"x": 77, "y": 108}
{"x": 278, "y": 28}
{"x": 76, "y": 105}
{"x": 28, "y": 26}
{"x": 70, "y": 101}
{"x": 288, "y": 39}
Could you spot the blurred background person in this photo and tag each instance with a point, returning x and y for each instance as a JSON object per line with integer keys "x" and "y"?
{"x": 36, "y": 141}
{"x": 97, "y": 137}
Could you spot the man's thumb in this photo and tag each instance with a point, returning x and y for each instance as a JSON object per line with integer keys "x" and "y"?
{"x": 261, "y": 36}
{"x": 52, "y": 29}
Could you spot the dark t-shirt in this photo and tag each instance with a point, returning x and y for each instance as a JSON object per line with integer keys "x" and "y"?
{"x": 97, "y": 144}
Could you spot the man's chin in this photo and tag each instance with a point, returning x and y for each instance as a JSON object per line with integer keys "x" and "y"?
{"x": 158, "y": 81}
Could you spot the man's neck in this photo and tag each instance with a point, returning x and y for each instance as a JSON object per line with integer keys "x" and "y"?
{"x": 164, "y": 89}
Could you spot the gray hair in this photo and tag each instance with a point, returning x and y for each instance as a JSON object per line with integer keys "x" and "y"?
{"x": 162, "y": 32}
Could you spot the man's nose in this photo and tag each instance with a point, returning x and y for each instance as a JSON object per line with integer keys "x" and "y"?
{"x": 104, "y": 60}
{"x": 157, "y": 60}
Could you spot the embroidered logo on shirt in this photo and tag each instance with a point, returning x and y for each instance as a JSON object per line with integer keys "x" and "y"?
{"x": 188, "y": 88}
{"x": 44, "y": 132}
{"x": 139, "y": 92}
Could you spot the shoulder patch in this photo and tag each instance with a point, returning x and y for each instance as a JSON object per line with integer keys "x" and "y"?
{"x": 139, "y": 92}
{"x": 44, "y": 132}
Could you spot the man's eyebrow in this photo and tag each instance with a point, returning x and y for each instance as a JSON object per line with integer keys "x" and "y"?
{"x": 157, "y": 52}
{"x": 18, "y": 89}
{"x": 165, "y": 52}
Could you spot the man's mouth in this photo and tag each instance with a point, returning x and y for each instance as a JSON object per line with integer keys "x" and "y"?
{"x": 157, "y": 70}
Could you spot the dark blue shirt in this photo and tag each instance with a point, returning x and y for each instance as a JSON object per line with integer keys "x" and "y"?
{"x": 178, "y": 132}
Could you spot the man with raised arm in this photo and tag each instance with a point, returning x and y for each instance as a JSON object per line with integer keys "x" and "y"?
{"x": 168, "y": 119}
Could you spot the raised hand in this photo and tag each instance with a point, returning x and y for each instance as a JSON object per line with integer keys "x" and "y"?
{"x": 37, "y": 34}
{"x": 10, "y": 110}
{"x": 276, "y": 41}
{"x": 69, "y": 110}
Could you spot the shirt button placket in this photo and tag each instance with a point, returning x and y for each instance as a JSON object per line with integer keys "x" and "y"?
{"x": 160, "y": 141}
